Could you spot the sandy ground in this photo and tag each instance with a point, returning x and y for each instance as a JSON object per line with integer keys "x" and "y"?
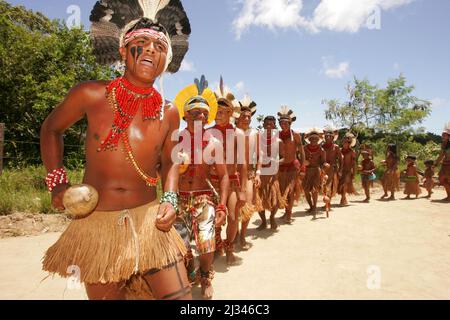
{"x": 381, "y": 250}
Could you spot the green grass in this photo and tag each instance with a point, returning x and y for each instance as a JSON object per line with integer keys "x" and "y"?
{"x": 24, "y": 190}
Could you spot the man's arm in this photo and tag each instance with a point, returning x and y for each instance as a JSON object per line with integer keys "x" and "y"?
{"x": 439, "y": 159}
{"x": 300, "y": 149}
{"x": 339, "y": 158}
{"x": 222, "y": 173}
{"x": 71, "y": 110}
{"x": 243, "y": 168}
{"x": 169, "y": 170}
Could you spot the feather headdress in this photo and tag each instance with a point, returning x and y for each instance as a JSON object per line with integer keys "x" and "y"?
{"x": 446, "y": 129}
{"x": 350, "y": 136}
{"x": 331, "y": 130}
{"x": 246, "y": 104}
{"x": 225, "y": 98}
{"x": 286, "y": 114}
{"x": 197, "y": 95}
{"x": 314, "y": 132}
{"x": 111, "y": 19}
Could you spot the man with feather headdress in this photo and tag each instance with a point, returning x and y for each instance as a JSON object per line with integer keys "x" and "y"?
{"x": 444, "y": 158}
{"x": 126, "y": 248}
{"x": 230, "y": 137}
{"x": 202, "y": 209}
{"x": 268, "y": 195}
{"x": 293, "y": 159}
{"x": 349, "y": 168}
{"x": 243, "y": 116}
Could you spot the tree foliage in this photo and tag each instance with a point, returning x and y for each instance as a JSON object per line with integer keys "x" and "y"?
{"x": 40, "y": 60}
{"x": 393, "y": 111}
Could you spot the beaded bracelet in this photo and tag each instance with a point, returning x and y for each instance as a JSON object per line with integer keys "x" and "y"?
{"x": 172, "y": 198}
{"x": 222, "y": 207}
{"x": 56, "y": 177}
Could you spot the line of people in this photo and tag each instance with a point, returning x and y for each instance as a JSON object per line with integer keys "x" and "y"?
{"x": 275, "y": 169}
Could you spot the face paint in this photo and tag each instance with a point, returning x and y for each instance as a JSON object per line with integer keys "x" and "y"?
{"x": 136, "y": 52}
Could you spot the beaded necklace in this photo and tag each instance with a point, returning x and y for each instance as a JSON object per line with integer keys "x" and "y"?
{"x": 126, "y": 99}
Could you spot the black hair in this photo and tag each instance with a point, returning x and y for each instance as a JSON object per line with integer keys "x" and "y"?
{"x": 270, "y": 118}
{"x": 146, "y": 23}
{"x": 392, "y": 147}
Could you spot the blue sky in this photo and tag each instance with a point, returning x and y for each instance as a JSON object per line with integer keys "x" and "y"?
{"x": 299, "y": 52}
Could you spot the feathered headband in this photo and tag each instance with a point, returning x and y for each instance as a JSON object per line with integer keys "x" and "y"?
{"x": 350, "y": 136}
{"x": 446, "y": 129}
{"x": 314, "y": 132}
{"x": 331, "y": 130}
{"x": 112, "y": 19}
{"x": 224, "y": 97}
{"x": 286, "y": 114}
{"x": 246, "y": 104}
{"x": 197, "y": 96}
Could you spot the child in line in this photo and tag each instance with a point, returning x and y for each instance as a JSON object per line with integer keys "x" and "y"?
{"x": 412, "y": 178}
{"x": 367, "y": 171}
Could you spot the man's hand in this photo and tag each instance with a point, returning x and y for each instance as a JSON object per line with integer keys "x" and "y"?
{"x": 57, "y": 196}
{"x": 257, "y": 181}
{"x": 220, "y": 218}
{"x": 166, "y": 217}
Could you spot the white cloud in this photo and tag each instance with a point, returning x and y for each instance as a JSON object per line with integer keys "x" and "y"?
{"x": 396, "y": 66}
{"x": 439, "y": 102}
{"x": 335, "y": 71}
{"x": 271, "y": 14}
{"x": 187, "y": 66}
{"x": 341, "y": 16}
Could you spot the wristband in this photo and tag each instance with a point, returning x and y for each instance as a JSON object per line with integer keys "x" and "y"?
{"x": 56, "y": 177}
{"x": 258, "y": 172}
{"x": 170, "y": 197}
{"x": 222, "y": 207}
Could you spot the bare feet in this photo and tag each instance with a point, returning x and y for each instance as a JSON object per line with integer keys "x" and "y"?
{"x": 344, "y": 202}
{"x": 244, "y": 245}
{"x": 273, "y": 223}
{"x": 262, "y": 226}
{"x": 206, "y": 283}
{"x": 366, "y": 200}
{"x": 231, "y": 259}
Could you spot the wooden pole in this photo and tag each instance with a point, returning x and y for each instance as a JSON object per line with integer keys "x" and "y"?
{"x": 2, "y": 140}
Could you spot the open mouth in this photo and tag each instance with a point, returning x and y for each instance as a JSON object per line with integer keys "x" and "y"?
{"x": 147, "y": 62}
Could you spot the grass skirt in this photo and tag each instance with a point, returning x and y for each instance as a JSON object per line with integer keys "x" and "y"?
{"x": 110, "y": 247}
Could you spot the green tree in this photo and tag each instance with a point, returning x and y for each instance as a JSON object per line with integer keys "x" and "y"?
{"x": 393, "y": 111}
{"x": 40, "y": 61}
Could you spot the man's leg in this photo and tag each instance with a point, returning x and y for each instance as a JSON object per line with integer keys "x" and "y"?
{"x": 263, "y": 225}
{"x": 244, "y": 225}
{"x": 309, "y": 200}
{"x": 232, "y": 226}
{"x": 170, "y": 283}
{"x": 206, "y": 261}
{"x": 111, "y": 291}
{"x": 273, "y": 222}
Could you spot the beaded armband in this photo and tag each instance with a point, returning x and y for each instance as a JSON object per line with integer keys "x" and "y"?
{"x": 172, "y": 198}
{"x": 56, "y": 177}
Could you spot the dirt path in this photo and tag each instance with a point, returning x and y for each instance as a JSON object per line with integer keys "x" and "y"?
{"x": 381, "y": 250}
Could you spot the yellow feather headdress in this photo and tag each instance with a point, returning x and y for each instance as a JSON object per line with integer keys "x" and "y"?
{"x": 197, "y": 95}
